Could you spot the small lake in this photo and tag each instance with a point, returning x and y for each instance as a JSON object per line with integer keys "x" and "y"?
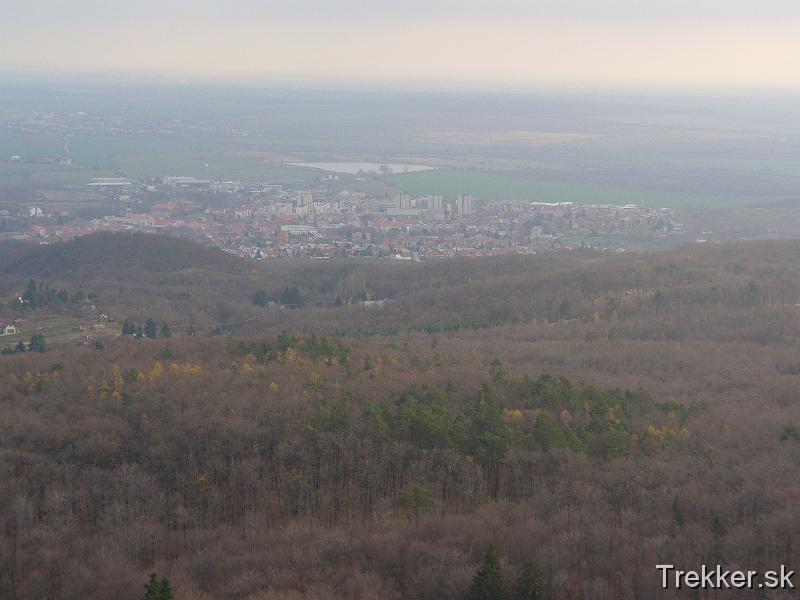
{"x": 354, "y": 167}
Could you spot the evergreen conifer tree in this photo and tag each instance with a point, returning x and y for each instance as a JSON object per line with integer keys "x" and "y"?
{"x": 37, "y": 343}
{"x": 291, "y": 297}
{"x": 488, "y": 584}
{"x": 165, "y": 589}
{"x": 150, "y": 329}
{"x": 260, "y": 298}
{"x": 31, "y": 295}
{"x": 151, "y": 591}
{"x": 530, "y": 584}
{"x": 157, "y": 589}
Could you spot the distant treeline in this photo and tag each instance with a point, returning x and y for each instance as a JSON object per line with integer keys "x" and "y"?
{"x": 185, "y": 283}
{"x": 149, "y": 330}
{"x": 38, "y": 295}
{"x": 37, "y": 343}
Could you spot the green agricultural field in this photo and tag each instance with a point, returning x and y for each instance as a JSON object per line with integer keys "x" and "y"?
{"x": 764, "y": 166}
{"x": 47, "y": 175}
{"x": 30, "y": 145}
{"x": 70, "y": 176}
{"x": 221, "y": 166}
{"x": 103, "y": 152}
{"x": 509, "y": 186}
{"x": 142, "y": 158}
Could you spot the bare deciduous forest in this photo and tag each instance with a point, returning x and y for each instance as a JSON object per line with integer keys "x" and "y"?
{"x": 594, "y": 415}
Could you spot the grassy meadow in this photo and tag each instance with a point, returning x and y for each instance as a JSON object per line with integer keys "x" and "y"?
{"x": 511, "y": 186}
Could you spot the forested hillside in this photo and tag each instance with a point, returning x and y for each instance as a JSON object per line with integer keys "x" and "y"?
{"x": 736, "y": 290}
{"x": 587, "y": 416}
{"x": 112, "y": 255}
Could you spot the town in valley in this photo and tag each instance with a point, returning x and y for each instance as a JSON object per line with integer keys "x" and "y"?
{"x": 292, "y": 218}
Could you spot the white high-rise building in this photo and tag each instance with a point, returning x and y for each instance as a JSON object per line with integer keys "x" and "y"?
{"x": 464, "y": 205}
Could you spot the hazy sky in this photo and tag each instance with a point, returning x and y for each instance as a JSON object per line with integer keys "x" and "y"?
{"x": 683, "y": 43}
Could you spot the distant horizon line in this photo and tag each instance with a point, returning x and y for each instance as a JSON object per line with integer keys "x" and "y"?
{"x": 372, "y": 84}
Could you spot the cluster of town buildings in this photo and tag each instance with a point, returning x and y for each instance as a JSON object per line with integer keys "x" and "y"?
{"x": 294, "y": 218}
